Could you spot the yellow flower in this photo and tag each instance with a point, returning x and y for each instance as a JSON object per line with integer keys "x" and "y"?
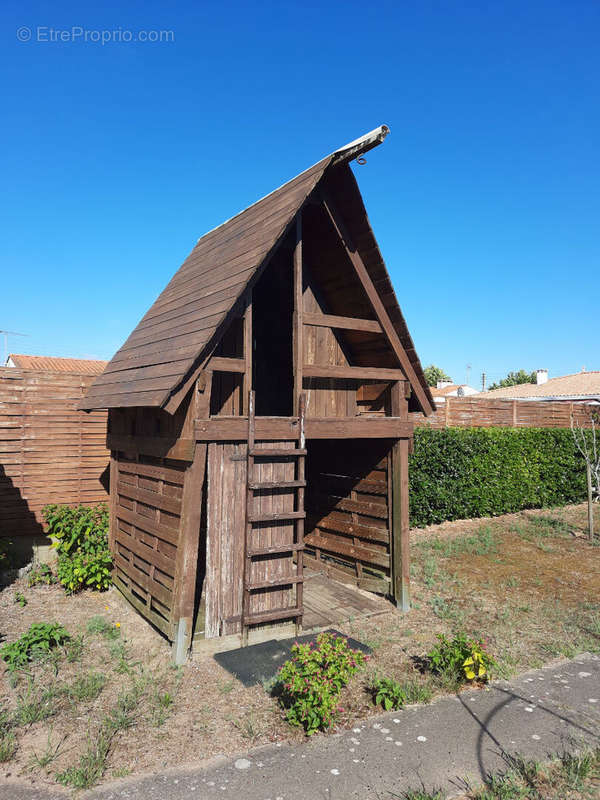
{"x": 117, "y": 624}
{"x": 106, "y": 607}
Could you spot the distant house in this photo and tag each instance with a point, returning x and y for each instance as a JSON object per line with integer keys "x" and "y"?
{"x": 446, "y": 389}
{"x": 581, "y": 387}
{"x": 76, "y": 366}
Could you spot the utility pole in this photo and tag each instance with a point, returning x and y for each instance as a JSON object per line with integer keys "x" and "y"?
{"x": 468, "y": 373}
{"x": 6, "y": 334}
{"x": 483, "y": 376}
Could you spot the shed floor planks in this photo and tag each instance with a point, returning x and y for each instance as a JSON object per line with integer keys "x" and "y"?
{"x": 327, "y": 602}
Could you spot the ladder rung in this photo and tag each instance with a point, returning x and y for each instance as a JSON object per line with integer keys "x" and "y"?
{"x": 268, "y": 616}
{"x": 277, "y": 485}
{"x": 276, "y": 516}
{"x": 278, "y": 549}
{"x": 264, "y": 452}
{"x": 275, "y": 582}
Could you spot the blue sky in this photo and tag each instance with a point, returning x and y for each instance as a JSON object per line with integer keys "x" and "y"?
{"x": 485, "y": 198}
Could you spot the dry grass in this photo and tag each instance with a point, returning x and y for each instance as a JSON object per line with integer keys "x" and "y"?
{"x": 528, "y": 582}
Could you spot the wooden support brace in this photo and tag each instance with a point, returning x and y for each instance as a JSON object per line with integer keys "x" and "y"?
{"x": 400, "y": 526}
{"x": 186, "y": 564}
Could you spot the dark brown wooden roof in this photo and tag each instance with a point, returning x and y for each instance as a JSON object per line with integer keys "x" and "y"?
{"x": 187, "y": 319}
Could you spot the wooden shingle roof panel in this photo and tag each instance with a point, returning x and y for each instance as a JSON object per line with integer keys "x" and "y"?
{"x": 182, "y": 322}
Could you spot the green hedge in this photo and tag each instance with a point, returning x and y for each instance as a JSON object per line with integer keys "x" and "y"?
{"x": 459, "y": 473}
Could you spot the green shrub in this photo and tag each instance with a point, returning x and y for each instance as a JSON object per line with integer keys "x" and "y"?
{"x": 461, "y": 473}
{"x": 309, "y": 683}
{"x": 20, "y": 599}
{"x": 463, "y": 658}
{"x": 392, "y": 695}
{"x": 35, "y": 643}
{"x": 42, "y": 574}
{"x": 80, "y": 536}
{"x": 388, "y": 693}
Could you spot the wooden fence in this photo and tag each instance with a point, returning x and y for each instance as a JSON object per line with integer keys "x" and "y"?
{"x": 49, "y": 451}
{"x": 470, "y": 412}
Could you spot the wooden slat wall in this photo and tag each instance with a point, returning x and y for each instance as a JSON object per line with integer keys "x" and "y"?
{"x": 348, "y": 514}
{"x": 469, "y": 412}
{"x": 146, "y": 532}
{"x": 325, "y": 397}
{"x": 49, "y": 451}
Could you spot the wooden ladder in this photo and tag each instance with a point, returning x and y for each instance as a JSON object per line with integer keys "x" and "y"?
{"x": 294, "y": 548}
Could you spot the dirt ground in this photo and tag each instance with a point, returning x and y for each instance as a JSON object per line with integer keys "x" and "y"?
{"x": 528, "y": 582}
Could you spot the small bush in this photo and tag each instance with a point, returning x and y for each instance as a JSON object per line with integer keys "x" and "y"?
{"x": 392, "y": 695}
{"x": 309, "y": 683}
{"x": 80, "y": 536}
{"x": 42, "y": 574}
{"x": 388, "y": 693}
{"x": 86, "y": 687}
{"x": 20, "y": 599}
{"x": 462, "y": 658}
{"x": 36, "y": 643}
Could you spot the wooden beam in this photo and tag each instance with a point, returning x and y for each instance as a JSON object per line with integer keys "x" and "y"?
{"x": 222, "y": 364}
{"x": 247, "y": 384}
{"x": 160, "y": 446}
{"x": 400, "y": 526}
{"x": 235, "y": 429}
{"x": 346, "y": 323}
{"x": 186, "y": 564}
{"x": 373, "y": 295}
{"x": 353, "y": 373}
{"x": 298, "y": 328}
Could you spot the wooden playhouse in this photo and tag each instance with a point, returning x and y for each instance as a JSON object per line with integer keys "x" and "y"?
{"x": 259, "y": 420}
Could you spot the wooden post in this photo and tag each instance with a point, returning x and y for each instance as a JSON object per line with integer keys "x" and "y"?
{"x": 400, "y": 526}
{"x": 590, "y": 501}
{"x": 113, "y": 497}
{"x": 248, "y": 347}
{"x": 186, "y": 563}
{"x": 298, "y": 324}
{"x": 514, "y": 413}
{"x": 301, "y": 474}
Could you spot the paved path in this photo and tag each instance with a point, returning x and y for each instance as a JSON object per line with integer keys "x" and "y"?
{"x": 437, "y": 746}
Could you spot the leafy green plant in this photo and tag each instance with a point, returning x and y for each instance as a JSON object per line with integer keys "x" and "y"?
{"x": 310, "y": 682}
{"x": 462, "y": 473}
{"x": 388, "y": 693}
{"x": 80, "y": 536}
{"x": 36, "y": 643}
{"x": 41, "y": 574}
{"x": 20, "y": 599}
{"x": 462, "y": 658}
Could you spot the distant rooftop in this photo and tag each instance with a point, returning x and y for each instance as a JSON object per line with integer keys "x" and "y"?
{"x": 78, "y": 366}
{"x": 578, "y": 386}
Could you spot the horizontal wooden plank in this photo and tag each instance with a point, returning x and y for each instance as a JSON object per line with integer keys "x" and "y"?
{"x": 153, "y": 499}
{"x": 158, "y": 446}
{"x": 164, "y": 564}
{"x": 346, "y": 504}
{"x": 351, "y": 373}
{"x": 221, "y": 364}
{"x": 145, "y": 581}
{"x": 337, "y": 523}
{"x": 156, "y": 619}
{"x": 163, "y": 532}
{"x": 332, "y": 545}
{"x": 170, "y": 474}
{"x": 346, "y": 323}
{"x": 231, "y": 429}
